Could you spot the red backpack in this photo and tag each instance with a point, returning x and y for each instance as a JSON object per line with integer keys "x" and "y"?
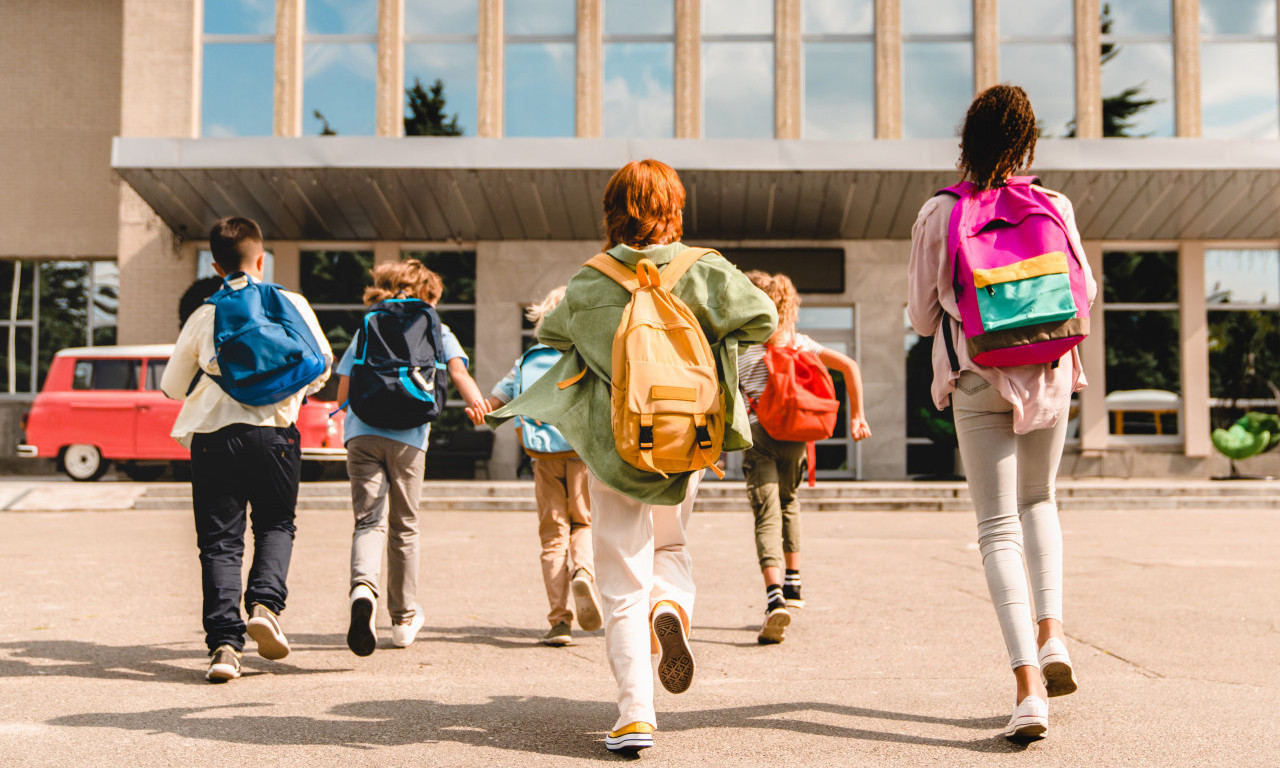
{"x": 799, "y": 401}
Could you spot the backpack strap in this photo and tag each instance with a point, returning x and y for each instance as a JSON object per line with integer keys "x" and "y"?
{"x": 676, "y": 268}
{"x": 613, "y": 268}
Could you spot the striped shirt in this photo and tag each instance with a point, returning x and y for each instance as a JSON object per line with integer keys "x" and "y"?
{"x": 754, "y": 374}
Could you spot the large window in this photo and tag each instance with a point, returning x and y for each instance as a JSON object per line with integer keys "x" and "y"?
{"x": 1243, "y": 297}
{"x": 457, "y": 308}
{"x": 1144, "y": 384}
{"x": 46, "y": 306}
{"x": 333, "y": 282}
{"x": 440, "y": 45}
{"x": 340, "y": 67}
{"x": 937, "y": 67}
{"x": 540, "y": 67}
{"x": 639, "y": 68}
{"x": 1037, "y": 52}
{"x": 737, "y": 70}
{"x": 1239, "y": 81}
{"x": 1137, "y": 68}
{"x": 839, "y": 69}
{"x": 237, "y": 68}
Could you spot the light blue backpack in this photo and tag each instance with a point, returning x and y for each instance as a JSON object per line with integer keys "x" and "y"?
{"x": 538, "y": 438}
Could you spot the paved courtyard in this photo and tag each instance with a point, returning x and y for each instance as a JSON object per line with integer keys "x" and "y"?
{"x": 897, "y": 661}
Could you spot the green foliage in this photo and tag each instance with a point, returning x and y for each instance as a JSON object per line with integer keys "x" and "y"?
{"x": 325, "y": 129}
{"x": 426, "y": 111}
{"x": 1142, "y": 350}
{"x": 1243, "y": 359}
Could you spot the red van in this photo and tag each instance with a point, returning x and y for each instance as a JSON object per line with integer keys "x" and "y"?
{"x": 104, "y": 404}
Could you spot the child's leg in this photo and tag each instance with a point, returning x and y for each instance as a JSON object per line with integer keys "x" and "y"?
{"x": 672, "y": 564}
{"x": 581, "y": 551}
{"x": 550, "y": 490}
{"x": 790, "y": 458}
{"x": 220, "y": 521}
{"x": 761, "y": 470}
{"x": 273, "y": 465}
{"x": 405, "y": 465}
{"x": 368, "y": 479}
{"x": 1039, "y": 454}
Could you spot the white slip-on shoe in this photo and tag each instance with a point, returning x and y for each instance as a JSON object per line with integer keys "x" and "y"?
{"x": 404, "y": 631}
{"x": 362, "y": 638}
{"x": 1030, "y": 720}
{"x": 1055, "y": 668}
{"x": 265, "y": 630}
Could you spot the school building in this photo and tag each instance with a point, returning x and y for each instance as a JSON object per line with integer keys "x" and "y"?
{"x": 808, "y": 134}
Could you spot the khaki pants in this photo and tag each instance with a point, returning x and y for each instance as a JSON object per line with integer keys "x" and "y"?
{"x": 386, "y": 483}
{"x": 641, "y": 559}
{"x": 564, "y": 526}
{"x": 773, "y": 471}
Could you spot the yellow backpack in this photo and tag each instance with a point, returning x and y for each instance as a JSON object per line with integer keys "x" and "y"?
{"x": 667, "y": 409}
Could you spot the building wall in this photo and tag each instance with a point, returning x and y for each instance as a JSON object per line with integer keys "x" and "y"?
{"x": 61, "y": 63}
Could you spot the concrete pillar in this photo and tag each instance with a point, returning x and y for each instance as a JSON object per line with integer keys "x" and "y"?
{"x": 1193, "y": 324}
{"x": 1088, "y": 69}
{"x": 386, "y": 252}
{"x": 589, "y": 95}
{"x": 986, "y": 45}
{"x": 688, "y": 69}
{"x": 290, "y": 25}
{"x": 287, "y": 264}
{"x": 489, "y": 70}
{"x": 888, "y": 69}
{"x": 1094, "y": 427}
{"x": 787, "y": 71}
{"x": 1186, "y": 68}
{"x": 390, "y": 68}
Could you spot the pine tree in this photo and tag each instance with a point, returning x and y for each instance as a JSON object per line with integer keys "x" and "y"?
{"x": 426, "y": 111}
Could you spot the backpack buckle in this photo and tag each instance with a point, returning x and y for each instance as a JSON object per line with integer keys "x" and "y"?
{"x": 646, "y": 437}
{"x": 704, "y": 436}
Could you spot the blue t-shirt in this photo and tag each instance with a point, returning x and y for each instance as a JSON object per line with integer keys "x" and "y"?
{"x": 418, "y": 436}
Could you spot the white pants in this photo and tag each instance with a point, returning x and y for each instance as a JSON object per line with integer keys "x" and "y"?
{"x": 1011, "y": 479}
{"x": 641, "y": 559}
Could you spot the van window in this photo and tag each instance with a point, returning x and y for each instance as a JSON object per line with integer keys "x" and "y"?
{"x": 106, "y": 374}
{"x": 155, "y": 371}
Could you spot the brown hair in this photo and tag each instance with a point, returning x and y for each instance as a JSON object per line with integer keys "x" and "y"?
{"x": 783, "y": 292}
{"x": 999, "y": 136}
{"x": 644, "y": 205}
{"x": 235, "y": 242}
{"x": 408, "y": 279}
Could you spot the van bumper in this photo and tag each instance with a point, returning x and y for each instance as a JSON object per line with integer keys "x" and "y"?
{"x": 28, "y": 451}
{"x": 324, "y": 454}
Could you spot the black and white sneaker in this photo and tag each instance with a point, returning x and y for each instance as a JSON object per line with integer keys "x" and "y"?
{"x": 791, "y": 590}
{"x": 224, "y": 665}
{"x": 776, "y": 621}
{"x": 362, "y": 639}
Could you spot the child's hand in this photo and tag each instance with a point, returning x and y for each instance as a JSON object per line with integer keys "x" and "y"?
{"x": 476, "y": 411}
{"x": 859, "y": 429}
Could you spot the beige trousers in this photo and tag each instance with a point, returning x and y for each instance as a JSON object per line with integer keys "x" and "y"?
{"x": 641, "y": 559}
{"x": 386, "y": 483}
{"x": 564, "y": 527}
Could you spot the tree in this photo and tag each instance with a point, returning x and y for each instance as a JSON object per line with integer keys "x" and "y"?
{"x": 1118, "y": 111}
{"x": 426, "y": 111}
{"x": 325, "y": 130}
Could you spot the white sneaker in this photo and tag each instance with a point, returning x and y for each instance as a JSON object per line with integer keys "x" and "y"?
{"x": 1030, "y": 720}
{"x": 1055, "y": 668}
{"x": 265, "y": 630}
{"x": 404, "y": 631}
{"x": 362, "y": 637}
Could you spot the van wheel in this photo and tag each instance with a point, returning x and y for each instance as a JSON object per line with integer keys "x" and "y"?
{"x": 141, "y": 473}
{"x": 83, "y": 462}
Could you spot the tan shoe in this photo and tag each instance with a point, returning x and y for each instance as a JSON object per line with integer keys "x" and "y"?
{"x": 264, "y": 628}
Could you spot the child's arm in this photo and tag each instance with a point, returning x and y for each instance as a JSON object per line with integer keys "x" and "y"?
{"x": 477, "y": 406}
{"x": 858, "y": 427}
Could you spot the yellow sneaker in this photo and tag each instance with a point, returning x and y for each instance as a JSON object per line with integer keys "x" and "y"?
{"x": 630, "y": 738}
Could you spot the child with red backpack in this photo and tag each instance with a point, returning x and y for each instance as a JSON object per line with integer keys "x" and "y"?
{"x": 560, "y": 488}
{"x": 998, "y": 277}
{"x": 792, "y": 404}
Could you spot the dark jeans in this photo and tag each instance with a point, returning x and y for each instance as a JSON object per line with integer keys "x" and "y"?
{"x": 235, "y": 466}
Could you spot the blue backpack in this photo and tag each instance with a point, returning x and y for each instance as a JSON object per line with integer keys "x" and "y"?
{"x": 538, "y": 438}
{"x": 399, "y": 379}
{"x": 264, "y": 347}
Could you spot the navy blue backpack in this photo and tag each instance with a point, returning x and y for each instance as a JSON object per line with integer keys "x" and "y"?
{"x": 399, "y": 378}
{"x": 265, "y": 349}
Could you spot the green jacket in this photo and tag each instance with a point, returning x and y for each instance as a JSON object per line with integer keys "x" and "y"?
{"x": 732, "y": 312}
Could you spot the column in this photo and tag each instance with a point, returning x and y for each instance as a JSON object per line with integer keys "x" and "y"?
{"x": 986, "y": 45}
{"x": 489, "y": 70}
{"x": 290, "y": 26}
{"x": 386, "y": 252}
{"x": 1193, "y": 322}
{"x": 888, "y": 69}
{"x": 788, "y": 78}
{"x": 287, "y": 260}
{"x": 1094, "y": 427}
{"x": 589, "y": 115}
{"x": 390, "y": 68}
{"x": 1088, "y": 69}
{"x": 688, "y": 69}
{"x": 1186, "y": 68}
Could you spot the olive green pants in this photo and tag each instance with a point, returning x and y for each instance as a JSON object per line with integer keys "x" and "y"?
{"x": 773, "y": 469}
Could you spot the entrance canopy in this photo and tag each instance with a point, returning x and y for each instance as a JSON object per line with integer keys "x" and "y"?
{"x": 440, "y": 189}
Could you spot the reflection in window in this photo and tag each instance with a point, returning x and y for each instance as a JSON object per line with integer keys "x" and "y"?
{"x": 340, "y": 66}
{"x": 1143, "y": 343}
{"x": 1242, "y": 277}
{"x": 1238, "y": 17}
{"x": 1243, "y": 288}
{"x": 839, "y": 69}
{"x": 1037, "y": 52}
{"x": 826, "y": 318}
{"x": 639, "y": 62}
{"x": 457, "y": 308}
{"x": 1145, "y": 277}
{"x": 639, "y": 17}
{"x": 539, "y": 68}
{"x": 1137, "y": 68}
{"x": 440, "y": 17}
{"x": 737, "y": 70}
{"x": 333, "y": 283}
{"x": 937, "y": 66}
{"x": 342, "y": 17}
{"x": 1239, "y": 77}
{"x": 237, "y": 68}
{"x": 937, "y": 17}
{"x": 440, "y": 44}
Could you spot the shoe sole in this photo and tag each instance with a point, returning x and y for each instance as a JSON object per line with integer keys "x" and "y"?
{"x": 1026, "y": 730}
{"x": 586, "y": 606}
{"x": 556, "y": 642}
{"x": 221, "y": 673}
{"x": 774, "y": 630}
{"x": 632, "y": 742}
{"x": 795, "y": 603}
{"x": 1059, "y": 678}
{"x": 675, "y": 665}
{"x": 360, "y": 637}
{"x": 272, "y": 645}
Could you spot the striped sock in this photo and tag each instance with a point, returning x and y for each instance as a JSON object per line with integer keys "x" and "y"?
{"x": 773, "y": 598}
{"x": 791, "y": 584}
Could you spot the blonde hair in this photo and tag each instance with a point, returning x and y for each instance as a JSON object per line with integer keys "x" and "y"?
{"x": 783, "y": 292}
{"x": 409, "y": 279}
{"x": 536, "y": 312}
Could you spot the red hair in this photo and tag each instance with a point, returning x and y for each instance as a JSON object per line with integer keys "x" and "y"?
{"x": 644, "y": 205}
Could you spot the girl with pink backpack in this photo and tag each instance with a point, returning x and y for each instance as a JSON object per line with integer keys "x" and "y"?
{"x": 999, "y": 278}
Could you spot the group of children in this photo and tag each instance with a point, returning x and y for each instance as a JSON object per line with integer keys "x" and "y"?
{"x": 612, "y": 514}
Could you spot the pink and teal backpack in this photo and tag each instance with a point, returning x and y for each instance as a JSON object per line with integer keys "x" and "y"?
{"x": 1019, "y": 282}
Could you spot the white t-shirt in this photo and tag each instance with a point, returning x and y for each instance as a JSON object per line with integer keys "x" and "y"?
{"x": 753, "y": 374}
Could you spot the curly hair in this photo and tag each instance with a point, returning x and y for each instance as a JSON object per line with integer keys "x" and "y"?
{"x": 999, "y": 136}
{"x": 408, "y": 279}
{"x": 783, "y": 292}
{"x": 644, "y": 205}
{"x": 536, "y": 312}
